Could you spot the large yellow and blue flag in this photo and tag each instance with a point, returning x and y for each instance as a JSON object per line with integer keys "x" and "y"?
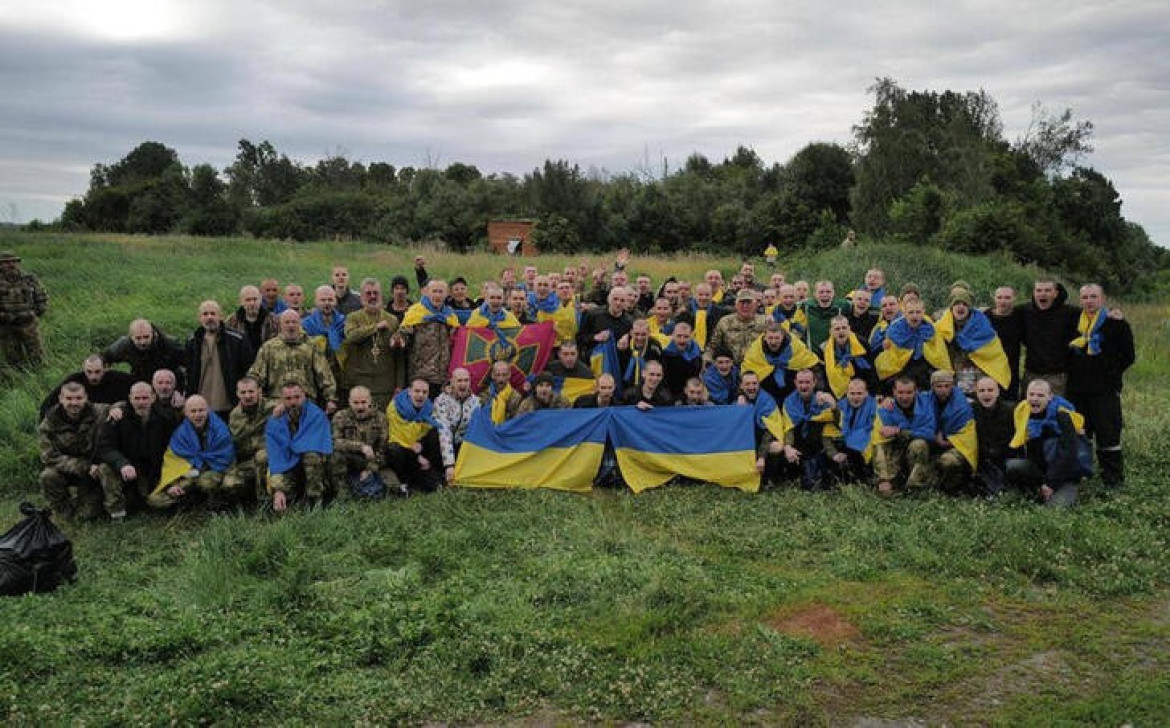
{"x": 604, "y": 360}
{"x": 558, "y": 449}
{"x": 709, "y": 444}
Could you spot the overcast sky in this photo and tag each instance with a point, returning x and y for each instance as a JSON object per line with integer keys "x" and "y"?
{"x": 506, "y": 84}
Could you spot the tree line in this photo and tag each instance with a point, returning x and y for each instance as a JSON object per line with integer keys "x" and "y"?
{"x": 924, "y": 167}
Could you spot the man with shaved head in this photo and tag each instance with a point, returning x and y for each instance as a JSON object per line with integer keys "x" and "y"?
{"x": 292, "y": 357}
{"x": 252, "y": 320}
{"x": 1101, "y": 353}
{"x": 325, "y": 327}
{"x": 294, "y": 299}
{"x": 68, "y": 444}
{"x": 146, "y": 349}
{"x": 347, "y": 300}
{"x": 102, "y": 385}
{"x": 201, "y": 451}
{"x": 216, "y": 359}
{"x": 131, "y": 452}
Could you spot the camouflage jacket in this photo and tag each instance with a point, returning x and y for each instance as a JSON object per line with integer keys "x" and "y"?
{"x": 350, "y": 433}
{"x": 22, "y": 299}
{"x": 279, "y": 361}
{"x": 71, "y": 445}
{"x": 247, "y": 428}
{"x": 735, "y": 335}
{"x": 430, "y": 351}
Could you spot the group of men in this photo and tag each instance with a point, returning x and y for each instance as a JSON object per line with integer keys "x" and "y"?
{"x": 281, "y": 402}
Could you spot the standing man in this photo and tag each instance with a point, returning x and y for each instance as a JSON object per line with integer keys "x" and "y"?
{"x": 1049, "y": 325}
{"x": 1101, "y": 353}
{"x": 252, "y": 320}
{"x": 428, "y": 325}
{"x": 347, "y": 300}
{"x": 371, "y": 336}
{"x": 216, "y": 359}
{"x": 736, "y": 333}
{"x": 1008, "y": 323}
{"x": 824, "y": 307}
{"x": 22, "y": 301}
{"x": 291, "y": 357}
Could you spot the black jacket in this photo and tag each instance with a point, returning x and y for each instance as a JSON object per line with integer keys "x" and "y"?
{"x": 994, "y": 427}
{"x": 114, "y": 387}
{"x": 235, "y": 356}
{"x": 163, "y": 353}
{"x": 1101, "y": 373}
{"x": 1046, "y": 334}
{"x": 130, "y": 441}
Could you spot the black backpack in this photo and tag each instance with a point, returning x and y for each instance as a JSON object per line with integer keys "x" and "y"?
{"x": 34, "y": 555}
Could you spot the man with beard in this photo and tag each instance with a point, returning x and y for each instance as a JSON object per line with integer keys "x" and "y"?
{"x": 68, "y": 445}
{"x": 371, "y": 334}
{"x": 542, "y": 396}
{"x": 298, "y": 442}
{"x": 499, "y": 398}
{"x": 216, "y": 359}
{"x": 247, "y": 424}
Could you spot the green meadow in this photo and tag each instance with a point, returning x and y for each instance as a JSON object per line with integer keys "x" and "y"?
{"x": 692, "y": 605}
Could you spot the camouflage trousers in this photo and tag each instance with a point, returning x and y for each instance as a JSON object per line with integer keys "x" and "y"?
{"x": 310, "y": 479}
{"x": 20, "y": 344}
{"x": 246, "y": 481}
{"x": 902, "y": 454}
{"x": 207, "y": 484}
{"x": 71, "y": 494}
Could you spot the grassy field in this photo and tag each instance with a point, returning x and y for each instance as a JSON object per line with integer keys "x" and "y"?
{"x": 682, "y": 605}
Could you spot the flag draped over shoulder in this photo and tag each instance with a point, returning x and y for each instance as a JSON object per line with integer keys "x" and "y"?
{"x": 1089, "y": 328}
{"x": 185, "y": 451}
{"x": 957, "y": 423}
{"x": 409, "y": 424}
{"x": 799, "y": 415}
{"x": 566, "y": 320}
{"x": 702, "y": 318}
{"x": 709, "y": 444}
{"x": 558, "y": 449}
{"x": 841, "y": 364}
{"x": 793, "y": 356}
{"x": 1029, "y": 428}
{"x": 425, "y": 312}
{"x": 721, "y": 390}
{"x": 502, "y": 319}
{"x": 498, "y": 402}
{"x": 768, "y": 415}
{"x": 921, "y": 426}
{"x": 911, "y": 343}
{"x": 286, "y": 448}
{"x": 981, "y": 344}
{"x": 329, "y": 338}
{"x": 856, "y": 425}
{"x": 527, "y": 348}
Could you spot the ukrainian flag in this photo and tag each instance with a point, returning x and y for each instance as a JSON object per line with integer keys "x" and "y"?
{"x": 573, "y": 387}
{"x": 709, "y": 444}
{"x": 604, "y": 360}
{"x": 957, "y": 423}
{"x": 185, "y": 451}
{"x": 981, "y": 344}
{"x": 909, "y": 343}
{"x": 558, "y": 449}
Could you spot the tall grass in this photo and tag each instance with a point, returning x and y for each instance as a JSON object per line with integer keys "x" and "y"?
{"x": 500, "y": 606}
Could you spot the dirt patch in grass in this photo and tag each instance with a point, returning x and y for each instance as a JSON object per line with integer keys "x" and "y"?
{"x": 819, "y": 622}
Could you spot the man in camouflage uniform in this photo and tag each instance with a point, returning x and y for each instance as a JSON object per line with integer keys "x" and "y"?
{"x": 204, "y": 480}
{"x": 292, "y": 357}
{"x": 360, "y": 433}
{"x": 736, "y": 333}
{"x": 430, "y": 342}
{"x": 370, "y": 334}
{"x": 246, "y": 423}
{"x": 310, "y": 476}
{"x": 68, "y": 444}
{"x": 22, "y": 302}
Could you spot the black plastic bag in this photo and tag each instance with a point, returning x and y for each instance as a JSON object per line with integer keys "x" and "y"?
{"x": 34, "y": 555}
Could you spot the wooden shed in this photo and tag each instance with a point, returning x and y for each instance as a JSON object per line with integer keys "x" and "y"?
{"x": 512, "y": 237}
